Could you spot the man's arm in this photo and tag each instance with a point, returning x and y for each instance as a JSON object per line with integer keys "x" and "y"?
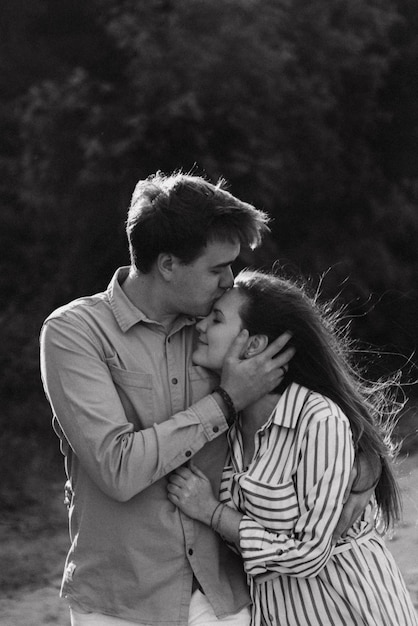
{"x": 88, "y": 407}
{"x": 363, "y": 480}
{"x": 83, "y": 396}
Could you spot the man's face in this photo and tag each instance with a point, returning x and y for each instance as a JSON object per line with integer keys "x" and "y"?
{"x": 197, "y": 285}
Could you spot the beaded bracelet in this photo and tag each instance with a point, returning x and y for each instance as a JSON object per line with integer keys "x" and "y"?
{"x": 232, "y": 413}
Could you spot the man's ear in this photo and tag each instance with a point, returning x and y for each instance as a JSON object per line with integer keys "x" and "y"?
{"x": 165, "y": 264}
{"x": 255, "y": 345}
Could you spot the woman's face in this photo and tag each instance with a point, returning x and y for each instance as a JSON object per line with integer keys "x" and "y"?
{"x": 217, "y": 331}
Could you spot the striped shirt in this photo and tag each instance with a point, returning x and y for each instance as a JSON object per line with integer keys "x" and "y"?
{"x": 291, "y": 496}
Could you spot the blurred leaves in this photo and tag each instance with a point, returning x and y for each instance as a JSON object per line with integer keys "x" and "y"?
{"x": 308, "y": 109}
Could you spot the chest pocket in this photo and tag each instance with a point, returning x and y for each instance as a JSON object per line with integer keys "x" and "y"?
{"x": 135, "y": 391}
{"x": 275, "y": 507}
{"x": 201, "y": 383}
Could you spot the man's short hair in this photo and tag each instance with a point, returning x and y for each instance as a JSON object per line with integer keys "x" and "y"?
{"x": 180, "y": 213}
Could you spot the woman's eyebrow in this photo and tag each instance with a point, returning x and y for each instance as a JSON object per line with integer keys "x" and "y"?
{"x": 218, "y": 311}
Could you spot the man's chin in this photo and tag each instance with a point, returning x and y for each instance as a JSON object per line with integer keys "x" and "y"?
{"x": 203, "y": 312}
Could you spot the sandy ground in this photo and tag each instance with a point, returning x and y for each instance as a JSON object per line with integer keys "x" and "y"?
{"x": 404, "y": 542}
{"x": 27, "y": 551}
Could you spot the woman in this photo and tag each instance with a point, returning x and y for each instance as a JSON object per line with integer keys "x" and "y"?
{"x": 289, "y": 464}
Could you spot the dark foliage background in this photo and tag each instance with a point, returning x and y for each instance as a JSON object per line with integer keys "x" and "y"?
{"x": 310, "y": 110}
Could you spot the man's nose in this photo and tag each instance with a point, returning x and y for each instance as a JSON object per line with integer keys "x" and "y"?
{"x": 227, "y": 278}
{"x": 201, "y": 325}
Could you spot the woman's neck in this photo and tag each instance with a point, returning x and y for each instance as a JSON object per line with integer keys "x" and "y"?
{"x": 252, "y": 419}
{"x": 256, "y": 415}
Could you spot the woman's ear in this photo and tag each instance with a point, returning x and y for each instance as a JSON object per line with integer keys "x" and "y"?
{"x": 255, "y": 345}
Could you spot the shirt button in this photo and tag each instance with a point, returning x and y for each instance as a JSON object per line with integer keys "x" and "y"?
{"x": 215, "y": 429}
{"x": 190, "y": 551}
{"x": 174, "y": 381}
{"x": 188, "y": 453}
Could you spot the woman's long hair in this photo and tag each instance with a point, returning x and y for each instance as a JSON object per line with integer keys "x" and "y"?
{"x": 324, "y": 362}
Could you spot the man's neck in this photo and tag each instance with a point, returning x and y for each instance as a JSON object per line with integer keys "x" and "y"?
{"x": 145, "y": 292}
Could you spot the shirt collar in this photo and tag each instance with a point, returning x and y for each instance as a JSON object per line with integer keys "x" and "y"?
{"x": 289, "y": 407}
{"x": 126, "y": 313}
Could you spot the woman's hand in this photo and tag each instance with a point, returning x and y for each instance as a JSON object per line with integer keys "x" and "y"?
{"x": 363, "y": 479}
{"x": 190, "y": 490}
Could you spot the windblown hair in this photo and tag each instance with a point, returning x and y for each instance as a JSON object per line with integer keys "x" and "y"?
{"x": 180, "y": 213}
{"x": 324, "y": 362}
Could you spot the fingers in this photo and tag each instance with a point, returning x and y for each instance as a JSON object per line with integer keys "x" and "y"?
{"x": 196, "y": 470}
{"x": 185, "y": 476}
{"x": 184, "y": 471}
{"x": 173, "y": 494}
{"x": 175, "y": 480}
{"x": 277, "y": 361}
{"x": 341, "y": 528}
{"x": 177, "y": 488}
{"x": 284, "y": 357}
{"x": 279, "y": 366}
{"x": 237, "y": 348}
{"x": 347, "y": 519}
{"x": 179, "y": 477}
{"x": 277, "y": 345}
{"x": 353, "y": 508}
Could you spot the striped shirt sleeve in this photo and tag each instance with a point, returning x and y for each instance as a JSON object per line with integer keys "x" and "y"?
{"x": 325, "y": 455}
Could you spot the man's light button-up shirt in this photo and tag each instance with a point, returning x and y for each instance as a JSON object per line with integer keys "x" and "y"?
{"x": 109, "y": 373}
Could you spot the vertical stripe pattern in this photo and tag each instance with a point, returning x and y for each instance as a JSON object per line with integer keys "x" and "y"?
{"x": 292, "y": 497}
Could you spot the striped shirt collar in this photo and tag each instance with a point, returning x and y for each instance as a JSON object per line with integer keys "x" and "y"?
{"x": 289, "y": 407}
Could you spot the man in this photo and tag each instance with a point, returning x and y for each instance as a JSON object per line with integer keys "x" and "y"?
{"x": 130, "y": 407}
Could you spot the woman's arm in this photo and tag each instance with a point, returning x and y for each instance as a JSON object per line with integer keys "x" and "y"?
{"x": 190, "y": 490}
{"x": 321, "y": 479}
{"x": 319, "y": 483}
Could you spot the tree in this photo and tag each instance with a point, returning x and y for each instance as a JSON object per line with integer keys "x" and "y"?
{"x": 293, "y": 102}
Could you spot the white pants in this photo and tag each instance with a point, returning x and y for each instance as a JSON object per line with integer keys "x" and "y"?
{"x": 200, "y": 614}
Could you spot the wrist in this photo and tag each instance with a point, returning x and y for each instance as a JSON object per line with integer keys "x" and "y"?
{"x": 216, "y": 516}
{"x": 207, "y": 511}
{"x": 226, "y": 403}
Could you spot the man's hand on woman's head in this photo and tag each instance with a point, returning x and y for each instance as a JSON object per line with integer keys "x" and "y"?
{"x": 248, "y": 380}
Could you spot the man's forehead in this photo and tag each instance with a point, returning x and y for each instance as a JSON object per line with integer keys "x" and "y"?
{"x": 219, "y": 252}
